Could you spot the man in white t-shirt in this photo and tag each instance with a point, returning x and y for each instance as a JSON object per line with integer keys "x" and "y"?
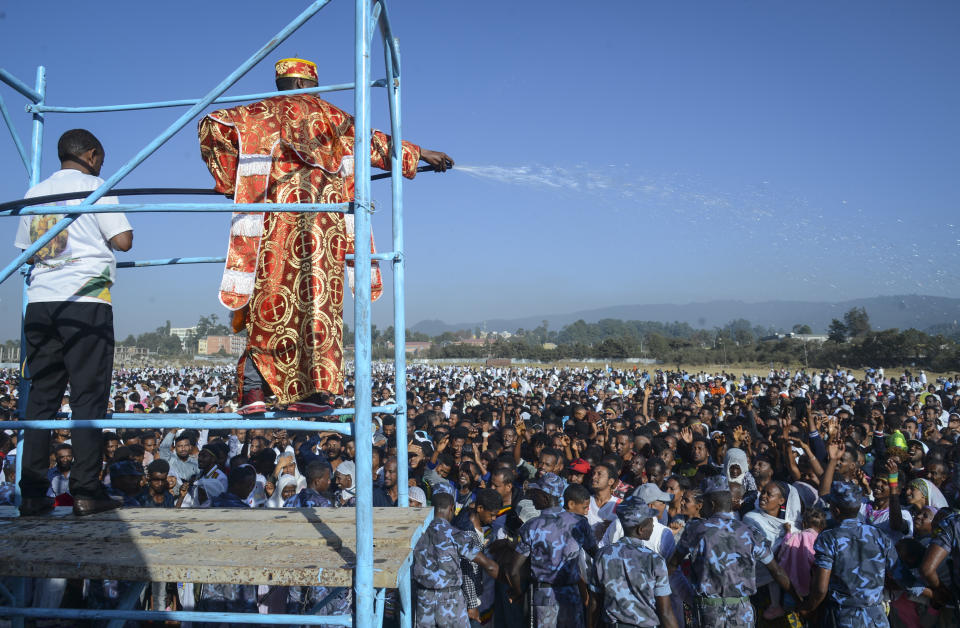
{"x": 68, "y": 325}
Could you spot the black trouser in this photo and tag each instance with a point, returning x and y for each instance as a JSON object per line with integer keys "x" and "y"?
{"x": 252, "y": 378}
{"x": 67, "y": 341}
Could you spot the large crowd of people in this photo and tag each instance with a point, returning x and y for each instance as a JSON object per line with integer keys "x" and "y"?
{"x": 571, "y": 497}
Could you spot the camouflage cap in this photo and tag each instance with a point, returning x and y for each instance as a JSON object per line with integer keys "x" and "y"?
{"x": 844, "y": 495}
{"x": 716, "y": 484}
{"x": 551, "y": 484}
{"x": 443, "y": 487}
{"x": 633, "y": 512}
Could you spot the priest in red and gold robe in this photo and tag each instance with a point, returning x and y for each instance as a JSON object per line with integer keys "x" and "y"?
{"x": 284, "y": 274}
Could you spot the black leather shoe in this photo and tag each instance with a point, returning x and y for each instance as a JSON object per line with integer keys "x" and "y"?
{"x": 34, "y": 506}
{"x": 92, "y": 505}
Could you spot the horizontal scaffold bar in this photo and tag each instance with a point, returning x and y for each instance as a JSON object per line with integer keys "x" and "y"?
{"x": 339, "y": 87}
{"x": 197, "y": 616}
{"x": 383, "y": 257}
{"x": 144, "y": 263}
{"x": 72, "y": 196}
{"x": 147, "y": 208}
{"x": 197, "y": 424}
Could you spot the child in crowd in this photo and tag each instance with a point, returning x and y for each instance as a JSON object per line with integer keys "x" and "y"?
{"x": 796, "y": 555}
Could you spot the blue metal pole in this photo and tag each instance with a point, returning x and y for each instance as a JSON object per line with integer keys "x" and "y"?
{"x": 192, "y": 101}
{"x": 200, "y": 424}
{"x": 399, "y": 312}
{"x": 374, "y": 18}
{"x": 389, "y": 41}
{"x": 20, "y": 86}
{"x": 363, "y": 590}
{"x": 13, "y": 134}
{"x": 127, "y": 602}
{"x": 197, "y": 616}
{"x": 140, "y": 208}
{"x": 379, "y": 607}
{"x": 220, "y": 416}
{"x": 144, "y": 263}
{"x": 36, "y": 161}
{"x": 38, "y": 122}
{"x": 24, "y": 390}
{"x": 388, "y": 256}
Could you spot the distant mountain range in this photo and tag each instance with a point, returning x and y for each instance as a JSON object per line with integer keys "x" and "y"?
{"x": 939, "y": 314}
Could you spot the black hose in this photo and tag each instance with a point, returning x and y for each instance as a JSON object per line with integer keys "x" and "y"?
{"x": 69, "y": 196}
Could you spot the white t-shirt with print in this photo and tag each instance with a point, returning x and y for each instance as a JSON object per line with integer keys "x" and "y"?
{"x": 78, "y": 264}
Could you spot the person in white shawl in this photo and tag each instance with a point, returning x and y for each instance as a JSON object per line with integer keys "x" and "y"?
{"x": 778, "y": 512}
{"x": 922, "y": 492}
{"x": 736, "y": 465}
{"x": 345, "y": 476}
{"x": 285, "y": 482}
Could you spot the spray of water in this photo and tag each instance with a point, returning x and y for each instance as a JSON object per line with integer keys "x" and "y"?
{"x": 834, "y": 236}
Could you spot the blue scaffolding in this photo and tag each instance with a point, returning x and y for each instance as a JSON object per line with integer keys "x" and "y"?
{"x": 369, "y": 15}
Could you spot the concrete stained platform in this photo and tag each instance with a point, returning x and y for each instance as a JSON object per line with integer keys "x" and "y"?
{"x": 287, "y": 547}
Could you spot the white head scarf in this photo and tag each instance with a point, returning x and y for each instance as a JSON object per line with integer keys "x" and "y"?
{"x": 935, "y": 498}
{"x": 276, "y": 500}
{"x": 738, "y": 457}
{"x": 793, "y": 513}
{"x": 347, "y": 468}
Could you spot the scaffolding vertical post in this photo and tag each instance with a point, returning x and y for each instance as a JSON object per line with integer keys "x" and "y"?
{"x": 363, "y": 580}
{"x": 399, "y": 314}
{"x": 36, "y": 162}
{"x": 36, "y": 158}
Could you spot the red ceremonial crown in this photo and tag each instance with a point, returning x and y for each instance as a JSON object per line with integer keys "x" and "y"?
{"x": 298, "y": 68}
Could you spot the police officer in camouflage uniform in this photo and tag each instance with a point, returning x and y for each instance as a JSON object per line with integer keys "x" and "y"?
{"x": 551, "y": 543}
{"x": 724, "y": 553}
{"x": 436, "y": 568}
{"x": 313, "y": 495}
{"x": 631, "y": 578}
{"x": 850, "y": 564}
{"x": 235, "y": 598}
{"x": 335, "y": 600}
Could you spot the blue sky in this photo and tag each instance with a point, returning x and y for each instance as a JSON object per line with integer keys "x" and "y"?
{"x": 613, "y": 153}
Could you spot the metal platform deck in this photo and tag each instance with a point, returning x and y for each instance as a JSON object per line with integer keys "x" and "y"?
{"x": 288, "y": 547}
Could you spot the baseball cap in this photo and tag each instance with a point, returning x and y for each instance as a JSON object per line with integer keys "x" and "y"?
{"x": 650, "y": 492}
{"x": 579, "y": 466}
